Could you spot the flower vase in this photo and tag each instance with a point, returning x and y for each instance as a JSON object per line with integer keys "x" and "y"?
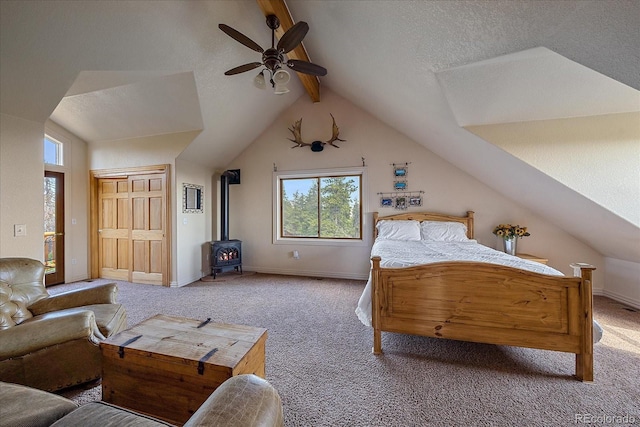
{"x": 510, "y": 245}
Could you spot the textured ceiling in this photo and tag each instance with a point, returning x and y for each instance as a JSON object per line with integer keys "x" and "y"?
{"x": 157, "y": 67}
{"x": 123, "y": 110}
{"x": 126, "y": 59}
{"x": 536, "y": 84}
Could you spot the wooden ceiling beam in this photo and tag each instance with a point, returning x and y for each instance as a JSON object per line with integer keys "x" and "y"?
{"x": 279, "y": 8}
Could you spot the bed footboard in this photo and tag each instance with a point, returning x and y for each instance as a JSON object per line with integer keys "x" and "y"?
{"x": 486, "y": 303}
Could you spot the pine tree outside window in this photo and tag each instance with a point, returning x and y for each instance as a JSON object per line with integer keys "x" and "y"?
{"x": 324, "y": 206}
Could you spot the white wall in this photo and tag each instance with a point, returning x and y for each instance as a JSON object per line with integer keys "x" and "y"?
{"x": 193, "y": 230}
{"x": 143, "y": 151}
{"x": 447, "y": 190}
{"x": 76, "y": 201}
{"x": 22, "y": 198}
{"x": 21, "y": 187}
{"x": 22, "y": 202}
{"x": 597, "y": 156}
{"x": 623, "y": 281}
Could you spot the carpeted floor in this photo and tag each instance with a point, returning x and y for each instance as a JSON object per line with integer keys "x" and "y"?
{"x": 319, "y": 358}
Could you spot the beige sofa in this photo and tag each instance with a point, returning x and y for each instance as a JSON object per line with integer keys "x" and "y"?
{"x": 52, "y": 341}
{"x": 241, "y": 401}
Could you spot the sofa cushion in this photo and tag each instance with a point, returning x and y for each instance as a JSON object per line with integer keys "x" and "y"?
{"x": 13, "y": 310}
{"x": 106, "y": 415}
{"x": 19, "y": 406}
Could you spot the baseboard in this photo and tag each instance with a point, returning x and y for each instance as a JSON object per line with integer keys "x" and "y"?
{"x": 175, "y": 284}
{"x": 77, "y": 279}
{"x": 623, "y": 299}
{"x": 311, "y": 273}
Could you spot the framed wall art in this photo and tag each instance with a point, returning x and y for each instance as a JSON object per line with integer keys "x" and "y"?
{"x": 386, "y": 202}
{"x": 401, "y": 199}
{"x": 400, "y": 171}
{"x": 400, "y": 185}
{"x": 192, "y": 198}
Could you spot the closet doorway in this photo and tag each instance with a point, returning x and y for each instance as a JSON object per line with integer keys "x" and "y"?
{"x": 130, "y": 226}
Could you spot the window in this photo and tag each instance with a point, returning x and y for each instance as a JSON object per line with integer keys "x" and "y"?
{"x": 52, "y": 151}
{"x": 319, "y": 205}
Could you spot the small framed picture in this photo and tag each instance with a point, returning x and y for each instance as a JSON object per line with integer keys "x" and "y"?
{"x": 386, "y": 202}
{"x": 415, "y": 201}
{"x": 401, "y": 203}
{"x": 400, "y": 172}
{"x": 192, "y": 198}
{"x": 400, "y": 185}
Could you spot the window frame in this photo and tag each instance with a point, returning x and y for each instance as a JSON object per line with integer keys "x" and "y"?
{"x": 278, "y": 239}
{"x": 59, "y": 150}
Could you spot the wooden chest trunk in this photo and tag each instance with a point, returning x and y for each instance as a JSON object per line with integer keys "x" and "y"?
{"x": 168, "y": 366}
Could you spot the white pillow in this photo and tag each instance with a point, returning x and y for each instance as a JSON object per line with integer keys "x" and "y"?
{"x": 398, "y": 230}
{"x": 441, "y": 231}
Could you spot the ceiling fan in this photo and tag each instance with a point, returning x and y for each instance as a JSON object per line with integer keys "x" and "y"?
{"x": 273, "y": 57}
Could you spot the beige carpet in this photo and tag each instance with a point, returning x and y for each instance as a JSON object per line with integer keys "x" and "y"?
{"x": 319, "y": 358}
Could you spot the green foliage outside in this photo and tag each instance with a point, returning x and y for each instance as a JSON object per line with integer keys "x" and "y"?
{"x": 333, "y": 213}
{"x": 49, "y": 224}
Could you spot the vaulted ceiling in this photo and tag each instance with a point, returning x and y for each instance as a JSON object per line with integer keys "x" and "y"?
{"x": 116, "y": 70}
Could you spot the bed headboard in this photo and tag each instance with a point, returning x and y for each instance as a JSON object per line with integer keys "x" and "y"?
{"x": 426, "y": 216}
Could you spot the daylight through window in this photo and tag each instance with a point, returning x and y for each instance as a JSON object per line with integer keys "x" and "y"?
{"x": 52, "y": 151}
{"x": 322, "y": 207}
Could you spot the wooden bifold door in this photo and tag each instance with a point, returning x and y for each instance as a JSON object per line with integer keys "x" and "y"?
{"x": 132, "y": 237}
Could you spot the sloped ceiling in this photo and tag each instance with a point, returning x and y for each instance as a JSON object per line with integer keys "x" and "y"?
{"x": 121, "y": 110}
{"x": 128, "y": 59}
{"x": 535, "y": 84}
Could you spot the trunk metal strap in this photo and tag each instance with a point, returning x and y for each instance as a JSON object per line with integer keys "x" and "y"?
{"x": 204, "y": 323}
{"x": 126, "y": 343}
{"x": 204, "y": 359}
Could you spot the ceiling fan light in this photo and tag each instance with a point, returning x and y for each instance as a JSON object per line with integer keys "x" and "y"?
{"x": 280, "y": 89}
{"x": 281, "y": 77}
{"x": 259, "y": 81}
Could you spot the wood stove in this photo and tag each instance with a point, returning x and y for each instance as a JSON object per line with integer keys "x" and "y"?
{"x": 226, "y": 253}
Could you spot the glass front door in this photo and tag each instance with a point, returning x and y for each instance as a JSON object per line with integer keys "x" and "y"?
{"x": 54, "y": 227}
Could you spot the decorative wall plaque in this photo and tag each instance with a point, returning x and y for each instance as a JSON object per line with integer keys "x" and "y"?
{"x": 192, "y": 198}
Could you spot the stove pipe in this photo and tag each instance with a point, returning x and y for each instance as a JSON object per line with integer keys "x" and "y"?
{"x": 224, "y": 209}
{"x": 227, "y": 177}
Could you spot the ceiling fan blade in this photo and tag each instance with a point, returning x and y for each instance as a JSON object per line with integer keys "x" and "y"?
{"x": 240, "y": 38}
{"x": 293, "y": 37}
{"x": 306, "y": 67}
{"x": 242, "y": 68}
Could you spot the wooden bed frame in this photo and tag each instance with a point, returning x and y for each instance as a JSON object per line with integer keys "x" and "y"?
{"x": 486, "y": 303}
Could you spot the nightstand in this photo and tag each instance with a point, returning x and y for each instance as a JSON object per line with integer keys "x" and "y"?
{"x": 533, "y": 258}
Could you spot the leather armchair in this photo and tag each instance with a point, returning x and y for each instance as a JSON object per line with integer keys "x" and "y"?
{"x": 241, "y": 401}
{"x": 52, "y": 341}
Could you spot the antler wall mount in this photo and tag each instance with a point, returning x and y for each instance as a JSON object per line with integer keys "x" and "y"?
{"x": 296, "y": 130}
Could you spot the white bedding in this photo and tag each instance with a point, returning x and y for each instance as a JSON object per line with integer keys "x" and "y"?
{"x": 403, "y": 253}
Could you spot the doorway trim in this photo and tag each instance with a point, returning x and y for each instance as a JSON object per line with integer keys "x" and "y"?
{"x": 95, "y": 176}
{"x": 59, "y": 239}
